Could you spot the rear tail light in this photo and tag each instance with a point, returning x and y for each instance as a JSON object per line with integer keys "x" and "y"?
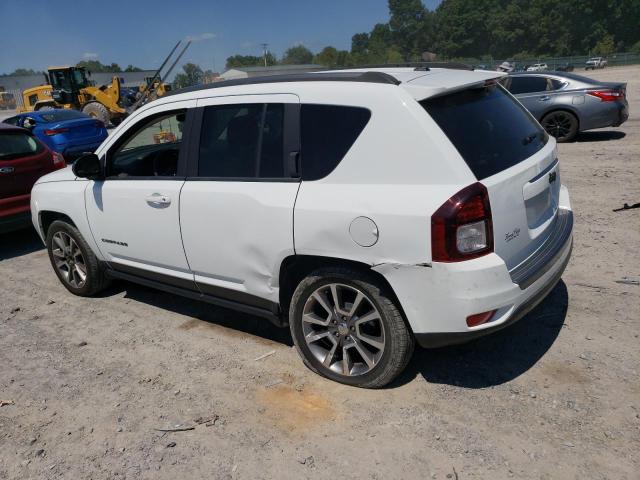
{"x": 461, "y": 228}
{"x": 58, "y": 159}
{"x": 479, "y": 318}
{"x": 607, "y": 95}
{"x": 55, "y": 131}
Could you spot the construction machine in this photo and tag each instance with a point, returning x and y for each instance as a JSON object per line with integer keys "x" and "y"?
{"x": 70, "y": 87}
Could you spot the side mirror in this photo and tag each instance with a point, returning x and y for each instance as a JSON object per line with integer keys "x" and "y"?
{"x": 29, "y": 123}
{"x": 88, "y": 166}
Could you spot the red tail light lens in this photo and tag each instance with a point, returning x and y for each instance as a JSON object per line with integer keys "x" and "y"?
{"x": 55, "y": 131}
{"x": 607, "y": 95}
{"x": 461, "y": 229}
{"x": 58, "y": 159}
{"x": 479, "y": 318}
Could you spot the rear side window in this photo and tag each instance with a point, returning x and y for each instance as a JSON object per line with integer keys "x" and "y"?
{"x": 518, "y": 85}
{"x": 490, "y": 129}
{"x": 18, "y": 144}
{"x": 327, "y": 134}
{"x": 242, "y": 141}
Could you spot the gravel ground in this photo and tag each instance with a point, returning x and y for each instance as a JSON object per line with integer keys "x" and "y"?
{"x": 91, "y": 382}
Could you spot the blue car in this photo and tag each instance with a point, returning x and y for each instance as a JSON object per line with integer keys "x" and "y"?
{"x": 68, "y": 132}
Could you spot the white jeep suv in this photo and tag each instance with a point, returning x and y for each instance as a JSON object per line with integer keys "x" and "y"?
{"x": 367, "y": 210}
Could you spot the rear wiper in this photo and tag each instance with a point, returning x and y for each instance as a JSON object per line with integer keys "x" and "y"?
{"x": 527, "y": 140}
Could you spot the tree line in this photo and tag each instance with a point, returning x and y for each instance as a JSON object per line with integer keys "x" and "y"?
{"x": 514, "y": 29}
{"x": 92, "y": 66}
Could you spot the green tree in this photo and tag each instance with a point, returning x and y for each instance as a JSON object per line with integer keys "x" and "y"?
{"x": 605, "y": 46}
{"x": 407, "y": 18}
{"x": 131, "y": 68}
{"x": 360, "y": 43}
{"x": 97, "y": 67}
{"x": 22, "y": 71}
{"x": 239, "y": 61}
{"x": 192, "y": 75}
{"x": 328, "y": 57}
{"x": 297, "y": 55}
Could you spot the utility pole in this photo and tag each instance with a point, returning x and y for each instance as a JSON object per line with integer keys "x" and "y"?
{"x": 264, "y": 54}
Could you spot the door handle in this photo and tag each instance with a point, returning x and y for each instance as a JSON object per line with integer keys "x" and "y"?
{"x": 545, "y": 98}
{"x": 158, "y": 199}
{"x": 6, "y": 170}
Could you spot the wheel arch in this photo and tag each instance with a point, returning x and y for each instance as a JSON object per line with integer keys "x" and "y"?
{"x": 47, "y": 217}
{"x": 296, "y": 267}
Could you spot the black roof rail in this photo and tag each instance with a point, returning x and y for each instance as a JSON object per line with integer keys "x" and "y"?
{"x": 424, "y": 66}
{"x": 366, "y": 77}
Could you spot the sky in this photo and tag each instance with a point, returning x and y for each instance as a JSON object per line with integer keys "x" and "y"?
{"x": 43, "y": 33}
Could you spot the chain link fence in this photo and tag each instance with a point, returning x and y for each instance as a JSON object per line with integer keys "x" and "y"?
{"x": 577, "y": 61}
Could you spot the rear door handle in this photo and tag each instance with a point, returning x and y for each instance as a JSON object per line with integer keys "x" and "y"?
{"x": 7, "y": 170}
{"x": 158, "y": 199}
{"x": 545, "y": 98}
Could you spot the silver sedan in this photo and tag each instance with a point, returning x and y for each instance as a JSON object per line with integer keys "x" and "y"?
{"x": 565, "y": 103}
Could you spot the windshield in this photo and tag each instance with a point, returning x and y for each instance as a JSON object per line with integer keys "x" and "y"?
{"x": 491, "y": 130}
{"x": 61, "y": 115}
{"x": 80, "y": 78}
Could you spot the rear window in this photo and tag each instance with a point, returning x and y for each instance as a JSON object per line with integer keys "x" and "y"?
{"x": 490, "y": 129}
{"x": 327, "y": 134}
{"x": 18, "y": 144}
{"x": 61, "y": 115}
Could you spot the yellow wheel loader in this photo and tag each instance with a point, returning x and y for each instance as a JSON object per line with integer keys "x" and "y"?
{"x": 69, "y": 87}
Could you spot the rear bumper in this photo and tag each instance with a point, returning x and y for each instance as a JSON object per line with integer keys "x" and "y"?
{"x": 435, "y": 340}
{"x": 437, "y": 299}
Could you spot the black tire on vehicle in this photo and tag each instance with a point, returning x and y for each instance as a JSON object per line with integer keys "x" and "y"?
{"x": 97, "y": 111}
{"x": 349, "y": 338}
{"x": 66, "y": 261}
{"x": 561, "y": 124}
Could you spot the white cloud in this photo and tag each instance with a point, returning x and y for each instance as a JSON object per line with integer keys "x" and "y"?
{"x": 90, "y": 56}
{"x": 201, "y": 37}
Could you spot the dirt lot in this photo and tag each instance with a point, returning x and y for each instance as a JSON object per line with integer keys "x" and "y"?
{"x": 556, "y": 396}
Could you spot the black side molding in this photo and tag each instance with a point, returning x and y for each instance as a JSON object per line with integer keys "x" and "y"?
{"x": 267, "y": 313}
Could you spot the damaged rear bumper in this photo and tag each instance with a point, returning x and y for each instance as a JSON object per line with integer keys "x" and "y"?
{"x": 438, "y": 298}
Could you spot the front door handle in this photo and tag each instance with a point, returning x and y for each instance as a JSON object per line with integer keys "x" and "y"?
{"x": 545, "y": 98}
{"x": 158, "y": 199}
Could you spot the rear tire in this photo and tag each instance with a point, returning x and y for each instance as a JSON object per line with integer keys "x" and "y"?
{"x": 97, "y": 111}
{"x": 75, "y": 264}
{"x": 340, "y": 343}
{"x": 561, "y": 124}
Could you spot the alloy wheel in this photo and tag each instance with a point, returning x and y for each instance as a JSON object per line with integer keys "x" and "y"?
{"x": 343, "y": 329}
{"x": 558, "y": 124}
{"x": 69, "y": 260}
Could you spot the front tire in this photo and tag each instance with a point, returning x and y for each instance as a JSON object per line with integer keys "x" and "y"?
{"x": 346, "y": 326}
{"x": 75, "y": 264}
{"x": 561, "y": 124}
{"x": 97, "y": 111}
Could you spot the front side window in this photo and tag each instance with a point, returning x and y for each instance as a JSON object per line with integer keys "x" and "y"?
{"x": 151, "y": 151}
{"x": 242, "y": 141}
